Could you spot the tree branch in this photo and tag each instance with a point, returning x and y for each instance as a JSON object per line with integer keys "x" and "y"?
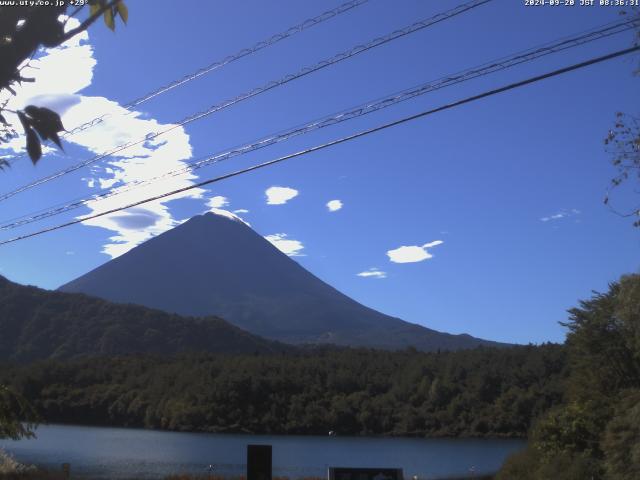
{"x": 87, "y": 23}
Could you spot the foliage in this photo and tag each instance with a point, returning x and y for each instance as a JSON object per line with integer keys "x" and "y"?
{"x": 623, "y": 144}
{"x": 39, "y": 124}
{"x": 23, "y": 30}
{"x": 596, "y": 433}
{"x": 109, "y": 11}
{"x": 521, "y": 466}
{"x": 17, "y": 416}
{"x": 38, "y": 324}
{"x": 621, "y": 442}
{"x": 11, "y": 469}
{"x": 481, "y": 392}
{"x": 264, "y": 387}
{"x": 604, "y": 342}
{"x": 528, "y": 465}
{"x": 568, "y": 430}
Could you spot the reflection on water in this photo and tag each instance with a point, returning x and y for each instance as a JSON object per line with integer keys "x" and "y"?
{"x": 127, "y": 453}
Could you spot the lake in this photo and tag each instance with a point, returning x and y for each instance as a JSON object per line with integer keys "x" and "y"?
{"x": 119, "y": 453}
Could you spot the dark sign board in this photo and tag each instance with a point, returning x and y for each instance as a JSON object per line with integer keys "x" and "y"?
{"x": 339, "y": 473}
{"x": 258, "y": 462}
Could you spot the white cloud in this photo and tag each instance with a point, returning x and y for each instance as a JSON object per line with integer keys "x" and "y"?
{"x": 218, "y": 202}
{"x": 139, "y": 163}
{"x": 280, "y": 195}
{"x": 291, "y": 247}
{"x": 414, "y": 253}
{"x": 334, "y": 205}
{"x": 372, "y": 273}
{"x": 241, "y": 210}
{"x": 61, "y": 73}
{"x": 561, "y": 214}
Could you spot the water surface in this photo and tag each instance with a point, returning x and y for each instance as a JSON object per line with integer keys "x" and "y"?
{"x": 119, "y": 453}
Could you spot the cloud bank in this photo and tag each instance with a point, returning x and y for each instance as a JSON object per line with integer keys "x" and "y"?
{"x": 61, "y": 73}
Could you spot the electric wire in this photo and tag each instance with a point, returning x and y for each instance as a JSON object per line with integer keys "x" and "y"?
{"x": 415, "y": 27}
{"x": 349, "y": 114}
{"x": 310, "y": 22}
{"x": 338, "y": 141}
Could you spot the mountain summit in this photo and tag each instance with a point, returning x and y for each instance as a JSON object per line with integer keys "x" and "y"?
{"x": 215, "y": 265}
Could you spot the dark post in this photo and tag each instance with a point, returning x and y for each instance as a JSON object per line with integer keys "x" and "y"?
{"x": 258, "y": 462}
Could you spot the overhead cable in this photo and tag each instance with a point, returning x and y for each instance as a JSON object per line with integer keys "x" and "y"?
{"x": 310, "y": 22}
{"x": 415, "y": 27}
{"x": 349, "y": 114}
{"x": 332, "y": 143}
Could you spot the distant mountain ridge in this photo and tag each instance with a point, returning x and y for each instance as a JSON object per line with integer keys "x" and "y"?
{"x": 39, "y": 324}
{"x": 214, "y": 265}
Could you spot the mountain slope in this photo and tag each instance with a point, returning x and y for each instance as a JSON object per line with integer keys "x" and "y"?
{"x": 213, "y": 265}
{"x": 39, "y": 324}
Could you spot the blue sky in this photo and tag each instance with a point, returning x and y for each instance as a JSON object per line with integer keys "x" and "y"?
{"x": 498, "y": 203}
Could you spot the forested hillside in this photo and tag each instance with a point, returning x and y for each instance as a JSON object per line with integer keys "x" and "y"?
{"x": 39, "y": 324}
{"x": 481, "y": 392}
{"x": 595, "y": 433}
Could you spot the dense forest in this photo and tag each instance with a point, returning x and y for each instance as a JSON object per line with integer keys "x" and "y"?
{"x": 481, "y": 392}
{"x": 39, "y": 324}
{"x": 578, "y": 403}
{"x": 595, "y": 433}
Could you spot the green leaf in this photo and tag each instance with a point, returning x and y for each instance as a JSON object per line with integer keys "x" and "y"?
{"x": 42, "y": 130}
{"x": 45, "y": 121}
{"x": 123, "y": 11}
{"x": 24, "y": 120}
{"x": 108, "y": 19}
{"x": 46, "y": 116}
{"x": 54, "y": 137}
{"x": 34, "y": 149}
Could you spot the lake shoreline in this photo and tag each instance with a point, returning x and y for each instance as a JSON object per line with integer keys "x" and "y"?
{"x": 123, "y": 453}
{"x": 246, "y": 432}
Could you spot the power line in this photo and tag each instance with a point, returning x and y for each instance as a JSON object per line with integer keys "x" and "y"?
{"x": 310, "y": 22}
{"x": 332, "y": 143}
{"x": 247, "y": 51}
{"x": 503, "y": 63}
{"x": 415, "y": 27}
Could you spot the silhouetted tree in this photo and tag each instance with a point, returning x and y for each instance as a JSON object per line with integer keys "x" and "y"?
{"x": 595, "y": 434}
{"x": 623, "y": 144}
{"x": 25, "y": 29}
{"x": 17, "y": 416}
